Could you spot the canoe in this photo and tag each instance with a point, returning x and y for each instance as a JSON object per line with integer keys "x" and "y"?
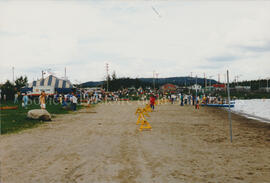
{"x": 8, "y": 107}
{"x": 217, "y": 105}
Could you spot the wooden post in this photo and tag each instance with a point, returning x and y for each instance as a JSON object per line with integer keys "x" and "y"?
{"x": 229, "y": 100}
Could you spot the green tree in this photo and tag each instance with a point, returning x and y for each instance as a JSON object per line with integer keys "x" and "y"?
{"x": 114, "y": 75}
{"x": 21, "y": 82}
{"x": 8, "y": 89}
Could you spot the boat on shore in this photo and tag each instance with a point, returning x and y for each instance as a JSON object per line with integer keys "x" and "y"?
{"x": 219, "y": 105}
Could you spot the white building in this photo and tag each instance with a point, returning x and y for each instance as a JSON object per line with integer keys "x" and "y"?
{"x": 195, "y": 87}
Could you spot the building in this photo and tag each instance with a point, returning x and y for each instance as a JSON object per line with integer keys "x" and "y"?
{"x": 169, "y": 88}
{"x": 265, "y": 89}
{"x": 195, "y": 87}
{"x": 242, "y": 88}
{"x": 219, "y": 87}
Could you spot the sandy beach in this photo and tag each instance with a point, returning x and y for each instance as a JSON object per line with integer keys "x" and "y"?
{"x": 103, "y": 145}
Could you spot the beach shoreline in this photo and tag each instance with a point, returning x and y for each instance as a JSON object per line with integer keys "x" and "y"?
{"x": 103, "y": 144}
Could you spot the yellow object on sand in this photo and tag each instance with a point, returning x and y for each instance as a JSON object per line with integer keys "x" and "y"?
{"x": 145, "y": 125}
{"x": 141, "y": 119}
{"x": 148, "y": 108}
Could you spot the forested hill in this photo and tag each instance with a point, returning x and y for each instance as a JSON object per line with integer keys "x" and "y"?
{"x": 181, "y": 81}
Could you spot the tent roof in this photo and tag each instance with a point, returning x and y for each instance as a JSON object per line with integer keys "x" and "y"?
{"x": 52, "y": 81}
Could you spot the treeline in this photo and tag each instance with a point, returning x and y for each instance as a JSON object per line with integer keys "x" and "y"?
{"x": 115, "y": 84}
{"x": 245, "y": 94}
{"x": 254, "y": 84}
{"x": 9, "y": 89}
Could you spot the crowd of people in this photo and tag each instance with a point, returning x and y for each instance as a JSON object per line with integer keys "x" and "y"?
{"x": 71, "y": 100}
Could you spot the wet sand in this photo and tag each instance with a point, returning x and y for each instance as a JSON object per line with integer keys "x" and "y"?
{"x": 103, "y": 145}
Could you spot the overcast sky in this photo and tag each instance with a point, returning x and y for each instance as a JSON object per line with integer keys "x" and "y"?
{"x": 135, "y": 38}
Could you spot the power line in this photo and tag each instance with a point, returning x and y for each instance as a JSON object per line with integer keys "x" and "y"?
{"x": 154, "y": 9}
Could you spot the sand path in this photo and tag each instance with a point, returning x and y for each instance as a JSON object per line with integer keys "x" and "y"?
{"x": 103, "y": 145}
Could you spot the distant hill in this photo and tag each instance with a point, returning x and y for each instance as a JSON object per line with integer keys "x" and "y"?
{"x": 181, "y": 81}
{"x": 91, "y": 84}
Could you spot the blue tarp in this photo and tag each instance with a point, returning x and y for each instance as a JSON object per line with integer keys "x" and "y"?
{"x": 217, "y": 105}
{"x": 63, "y": 90}
{"x": 25, "y": 90}
{"x": 58, "y": 90}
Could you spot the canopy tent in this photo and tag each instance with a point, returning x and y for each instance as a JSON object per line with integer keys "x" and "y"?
{"x": 52, "y": 81}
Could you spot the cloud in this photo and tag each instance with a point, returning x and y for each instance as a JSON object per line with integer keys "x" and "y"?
{"x": 262, "y": 48}
{"x": 225, "y": 58}
{"x": 84, "y": 35}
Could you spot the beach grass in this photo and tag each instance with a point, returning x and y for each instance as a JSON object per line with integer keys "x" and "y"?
{"x": 14, "y": 120}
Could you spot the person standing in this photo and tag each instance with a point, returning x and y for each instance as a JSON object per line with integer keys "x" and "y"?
{"x": 173, "y": 98}
{"x": 74, "y": 102}
{"x": 42, "y": 100}
{"x": 16, "y": 98}
{"x": 197, "y": 105}
{"x": 182, "y": 99}
{"x": 186, "y": 98}
{"x": 25, "y": 101}
{"x": 152, "y": 101}
{"x": 60, "y": 99}
{"x": 5, "y": 98}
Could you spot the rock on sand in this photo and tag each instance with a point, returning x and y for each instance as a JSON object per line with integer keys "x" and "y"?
{"x": 40, "y": 114}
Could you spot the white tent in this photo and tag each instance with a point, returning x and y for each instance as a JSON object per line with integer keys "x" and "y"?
{"x": 52, "y": 81}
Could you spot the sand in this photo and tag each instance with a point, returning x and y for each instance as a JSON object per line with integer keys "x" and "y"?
{"x": 103, "y": 145}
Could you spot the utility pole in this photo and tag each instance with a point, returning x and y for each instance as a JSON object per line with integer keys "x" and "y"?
{"x": 259, "y": 83}
{"x": 191, "y": 79}
{"x": 205, "y": 81}
{"x": 225, "y": 82}
{"x": 107, "y": 72}
{"x": 267, "y": 89}
{"x": 154, "y": 80}
{"x": 210, "y": 78}
{"x": 42, "y": 74}
{"x": 13, "y": 74}
{"x": 237, "y": 79}
{"x": 157, "y": 80}
{"x": 196, "y": 86}
{"x": 65, "y": 73}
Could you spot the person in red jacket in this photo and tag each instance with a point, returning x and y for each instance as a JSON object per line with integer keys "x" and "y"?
{"x": 152, "y": 101}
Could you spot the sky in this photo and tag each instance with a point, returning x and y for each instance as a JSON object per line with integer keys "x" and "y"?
{"x": 136, "y": 38}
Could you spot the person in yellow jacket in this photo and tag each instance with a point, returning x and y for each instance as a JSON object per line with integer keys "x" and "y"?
{"x": 42, "y": 100}
{"x": 204, "y": 100}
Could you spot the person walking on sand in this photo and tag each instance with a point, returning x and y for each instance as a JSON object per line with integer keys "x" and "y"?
{"x": 42, "y": 99}
{"x": 152, "y": 101}
{"x": 197, "y": 105}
